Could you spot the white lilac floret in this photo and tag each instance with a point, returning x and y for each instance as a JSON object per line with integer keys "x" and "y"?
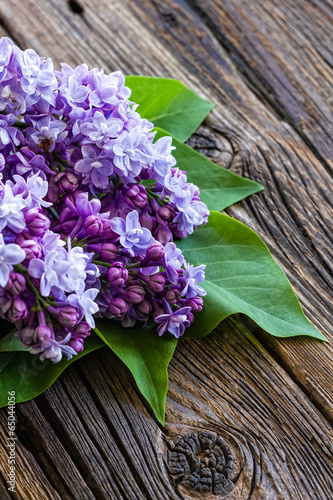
{"x": 81, "y": 236}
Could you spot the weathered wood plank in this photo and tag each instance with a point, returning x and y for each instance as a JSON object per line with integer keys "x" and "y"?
{"x": 92, "y": 429}
{"x": 285, "y": 52}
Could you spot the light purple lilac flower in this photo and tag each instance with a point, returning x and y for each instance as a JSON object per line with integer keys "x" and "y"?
{"x": 10, "y": 255}
{"x": 174, "y": 322}
{"x": 95, "y": 167}
{"x": 134, "y": 238}
{"x": 193, "y": 276}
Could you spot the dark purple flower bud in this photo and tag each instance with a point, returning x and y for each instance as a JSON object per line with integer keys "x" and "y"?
{"x": 117, "y": 275}
{"x": 156, "y": 283}
{"x": 17, "y": 311}
{"x": 76, "y": 344}
{"x": 163, "y": 234}
{"x": 172, "y": 296}
{"x": 136, "y": 196}
{"x": 68, "y": 316}
{"x": 118, "y": 307}
{"x": 147, "y": 221}
{"x": 190, "y": 317}
{"x": 108, "y": 251}
{"x": 37, "y": 223}
{"x": 155, "y": 252}
{"x": 53, "y": 191}
{"x": 33, "y": 250}
{"x": 43, "y": 333}
{"x": 154, "y": 204}
{"x": 27, "y": 336}
{"x": 135, "y": 294}
{"x": 158, "y": 311}
{"x": 5, "y": 303}
{"x": 82, "y": 330}
{"x": 165, "y": 215}
{"x": 67, "y": 182}
{"x": 195, "y": 304}
{"x": 93, "y": 225}
{"x": 16, "y": 283}
{"x": 177, "y": 232}
{"x": 143, "y": 309}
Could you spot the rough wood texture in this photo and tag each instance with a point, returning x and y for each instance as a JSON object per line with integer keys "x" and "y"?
{"x": 244, "y": 419}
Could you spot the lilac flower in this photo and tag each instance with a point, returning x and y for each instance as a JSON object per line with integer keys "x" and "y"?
{"x": 26, "y": 161}
{"x": 46, "y": 132}
{"x": 193, "y": 276}
{"x": 54, "y": 349}
{"x": 173, "y": 261}
{"x": 8, "y": 134}
{"x": 74, "y": 92}
{"x": 50, "y": 271}
{"x": 191, "y": 213}
{"x": 85, "y": 303}
{"x": 11, "y": 214}
{"x": 107, "y": 89}
{"x": 134, "y": 238}
{"x": 99, "y": 129}
{"x": 163, "y": 159}
{"x": 38, "y": 77}
{"x": 6, "y": 51}
{"x": 128, "y": 153}
{"x": 95, "y": 167}
{"x": 173, "y": 321}
{"x": 32, "y": 190}
{"x": 9, "y": 255}
{"x": 74, "y": 277}
{"x": 11, "y": 99}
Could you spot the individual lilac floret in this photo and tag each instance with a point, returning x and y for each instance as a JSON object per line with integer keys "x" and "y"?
{"x": 193, "y": 276}
{"x": 85, "y": 302}
{"x": 163, "y": 159}
{"x": 191, "y": 212}
{"x": 6, "y": 51}
{"x": 128, "y": 153}
{"x": 50, "y": 271}
{"x": 173, "y": 261}
{"x": 46, "y": 132}
{"x": 95, "y": 167}
{"x": 99, "y": 129}
{"x": 10, "y": 255}
{"x": 11, "y": 214}
{"x": 173, "y": 321}
{"x": 134, "y": 238}
{"x": 38, "y": 78}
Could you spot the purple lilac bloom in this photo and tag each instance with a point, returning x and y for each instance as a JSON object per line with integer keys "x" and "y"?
{"x": 173, "y": 261}
{"x": 10, "y": 255}
{"x": 134, "y": 238}
{"x": 193, "y": 276}
{"x": 127, "y": 152}
{"x": 174, "y": 322}
{"x": 95, "y": 167}
{"x": 76, "y": 215}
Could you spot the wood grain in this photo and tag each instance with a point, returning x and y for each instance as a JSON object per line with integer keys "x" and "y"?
{"x": 268, "y": 69}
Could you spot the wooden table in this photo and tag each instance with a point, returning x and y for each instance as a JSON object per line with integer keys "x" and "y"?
{"x": 260, "y": 407}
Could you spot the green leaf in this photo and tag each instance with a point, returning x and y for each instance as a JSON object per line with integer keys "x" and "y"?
{"x": 242, "y": 277}
{"x": 146, "y": 355}
{"x": 10, "y": 343}
{"x": 28, "y": 376}
{"x": 168, "y": 104}
{"x": 219, "y": 188}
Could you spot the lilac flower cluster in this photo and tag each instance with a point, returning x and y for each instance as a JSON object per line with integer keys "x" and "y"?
{"x": 89, "y": 208}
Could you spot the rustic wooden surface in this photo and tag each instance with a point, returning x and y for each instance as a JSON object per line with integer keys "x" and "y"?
{"x": 257, "y": 411}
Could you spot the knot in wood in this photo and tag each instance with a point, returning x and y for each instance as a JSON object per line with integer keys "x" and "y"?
{"x": 201, "y": 462}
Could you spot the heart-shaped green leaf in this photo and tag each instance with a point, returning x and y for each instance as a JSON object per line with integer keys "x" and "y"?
{"x": 242, "y": 277}
{"x": 146, "y": 355}
{"x": 219, "y": 188}
{"x": 168, "y": 104}
{"x": 28, "y": 376}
